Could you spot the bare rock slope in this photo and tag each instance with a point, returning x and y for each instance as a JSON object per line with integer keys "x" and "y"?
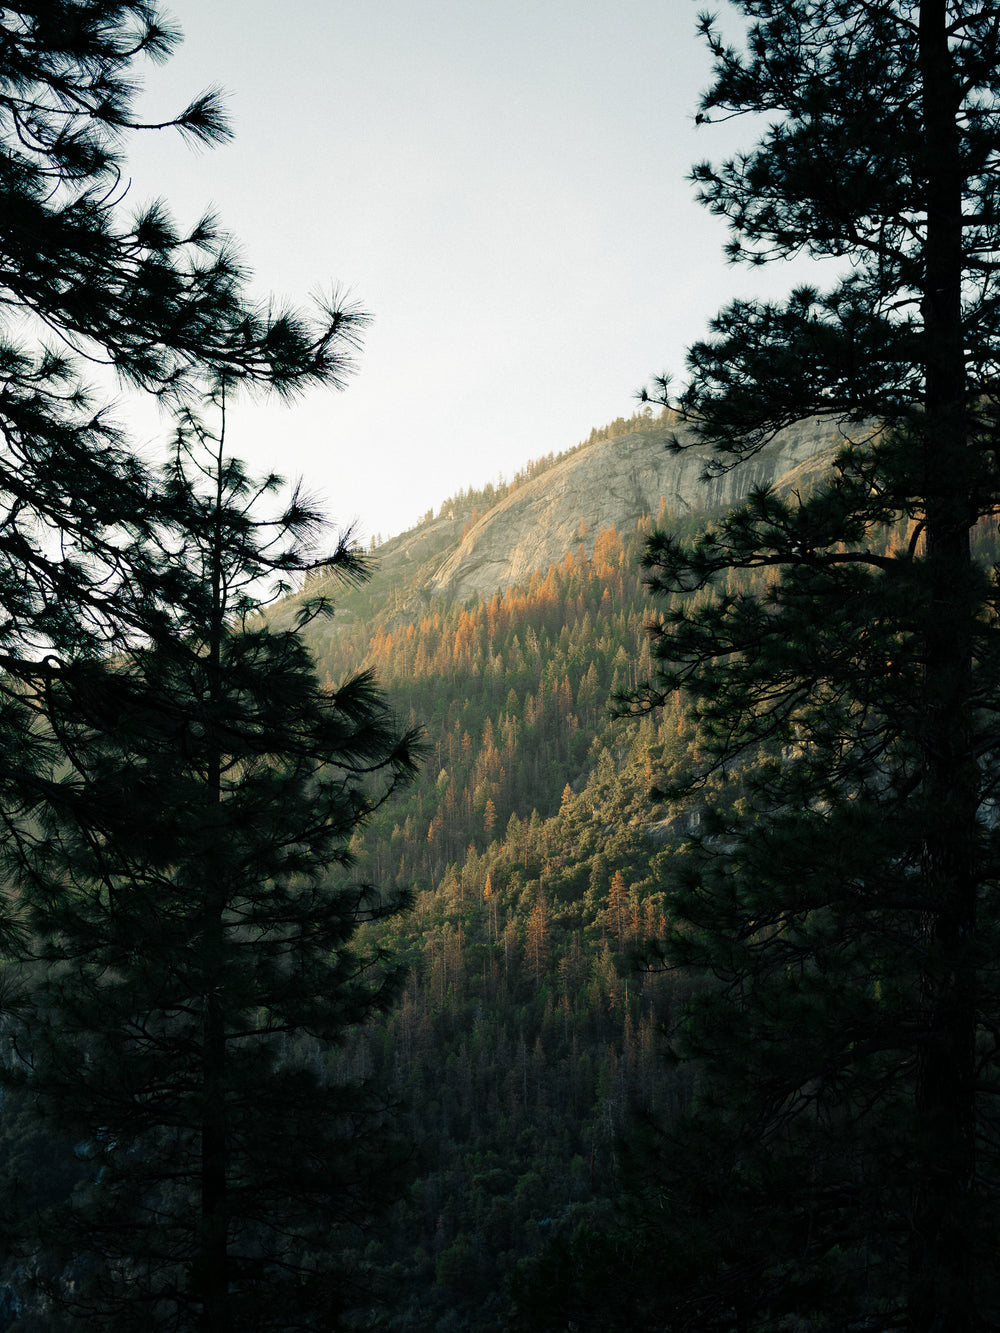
{"x": 614, "y": 483}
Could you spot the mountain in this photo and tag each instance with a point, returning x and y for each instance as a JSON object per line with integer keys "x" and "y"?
{"x": 532, "y": 852}
{"x": 481, "y": 542}
{"x": 612, "y": 483}
{"x": 531, "y": 847}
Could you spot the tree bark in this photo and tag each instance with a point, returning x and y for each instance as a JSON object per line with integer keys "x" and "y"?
{"x": 214, "y": 1258}
{"x": 942, "y": 1273}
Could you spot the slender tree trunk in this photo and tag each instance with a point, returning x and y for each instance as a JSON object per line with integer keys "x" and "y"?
{"x": 942, "y": 1276}
{"x": 213, "y": 1261}
{"x": 214, "y": 1242}
{"x": 214, "y": 1266}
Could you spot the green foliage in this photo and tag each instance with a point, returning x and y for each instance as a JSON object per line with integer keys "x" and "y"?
{"x": 518, "y": 1067}
{"x": 839, "y": 901}
{"x": 137, "y": 716}
{"x": 524, "y": 1031}
{"x": 194, "y": 964}
{"x": 85, "y": 282}
{"x": 641, "y": 420}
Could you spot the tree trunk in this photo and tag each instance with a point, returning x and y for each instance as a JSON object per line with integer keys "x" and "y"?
{"x": 214, "y": 1257}
{"x": 941, "y": 1264}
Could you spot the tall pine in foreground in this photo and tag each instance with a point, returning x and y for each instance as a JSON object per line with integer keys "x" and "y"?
{"x": 93, "y": 287}
{"x": 193, "y": 967}
{"x": 838, "y": 1167}
{"x": 128, "y": 695}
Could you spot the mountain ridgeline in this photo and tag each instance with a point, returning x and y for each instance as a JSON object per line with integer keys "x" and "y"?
{"x": 482, "y": 542}
{"x": 527, "y": 1030}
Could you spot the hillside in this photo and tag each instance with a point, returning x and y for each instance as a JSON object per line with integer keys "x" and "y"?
{"x": 483, "y": 542}
{"x": 527, "y": 1028}
{"x": 612, "y": 483}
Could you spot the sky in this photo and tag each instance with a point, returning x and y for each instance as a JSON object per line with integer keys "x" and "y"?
{"x": 500, "y": 183}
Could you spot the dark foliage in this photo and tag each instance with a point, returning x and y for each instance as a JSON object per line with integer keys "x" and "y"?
{"x": 837, "y": 1164}
{"x": 91, "y": 289}
{"x": 176, "y": 793}
{"x": 194, "y": 965}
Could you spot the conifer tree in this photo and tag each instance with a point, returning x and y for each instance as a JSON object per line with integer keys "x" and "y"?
{"x": 838, "y": 1166}
{"x": 194, "y": 969}
{"x": 89, "y": 282}
{"x": 141, "y": 723}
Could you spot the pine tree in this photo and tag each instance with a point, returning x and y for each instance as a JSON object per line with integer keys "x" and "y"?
{"x": 85, "y": 282}
{"x": 194, "y": 968}
{"x": 838, "y": 1164}
{"x": 617, "y": 904}
{"x": 123, "y": 772}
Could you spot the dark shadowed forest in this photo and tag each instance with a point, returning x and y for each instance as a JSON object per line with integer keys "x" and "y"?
{"x": 613, "y": 947}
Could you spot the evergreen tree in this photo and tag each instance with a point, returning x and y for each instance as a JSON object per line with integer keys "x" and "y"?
{"x": 838, "y": 1165}
{"x": 194, "y": 966}
{"x": 135, "y": 729}
{"x": 86, "y": 282}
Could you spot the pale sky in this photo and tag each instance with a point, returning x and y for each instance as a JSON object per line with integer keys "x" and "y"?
{"x": 501, "y": 183}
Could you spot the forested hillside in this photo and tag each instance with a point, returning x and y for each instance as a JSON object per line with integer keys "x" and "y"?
{"x": 512, "y": 939}
{"x": 528, "y": 1026}
{"x": 531, "y": 1025}
{"x": 528, "y": 849}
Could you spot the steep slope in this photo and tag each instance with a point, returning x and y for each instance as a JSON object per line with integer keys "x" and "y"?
{"x": 613, "y": 483}
{"x": 532, "y": 849}
{"x": 534, "y": 854}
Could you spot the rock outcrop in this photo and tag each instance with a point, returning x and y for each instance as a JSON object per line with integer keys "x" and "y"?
{"x": 615, "y": 482}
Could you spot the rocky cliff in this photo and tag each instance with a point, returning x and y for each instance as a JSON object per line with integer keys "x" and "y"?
{"x": 615, "y": 482}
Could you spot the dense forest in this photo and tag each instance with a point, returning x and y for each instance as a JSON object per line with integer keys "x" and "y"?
{"x": 614, "y": 949}
{"x": 532, "y": 1034}
{"x": 527, "y": 1028}
{"x": 530, "y": 1029}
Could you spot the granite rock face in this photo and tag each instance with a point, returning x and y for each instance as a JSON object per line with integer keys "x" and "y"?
{"x": 614, "y": 483}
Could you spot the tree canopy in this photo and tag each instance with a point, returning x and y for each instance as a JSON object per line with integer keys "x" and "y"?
{"x": 178, "y": 794}
{"x": 95, "y": 296}
{"x": 840, "y": 901}
{"x": 192, "y": 966}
